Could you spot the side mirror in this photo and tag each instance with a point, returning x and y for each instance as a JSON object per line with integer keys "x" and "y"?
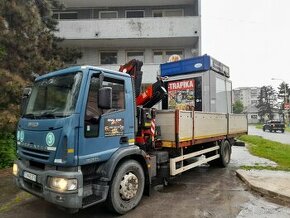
{"x": 24, "y": 100}
{"x": 105, "y": 98}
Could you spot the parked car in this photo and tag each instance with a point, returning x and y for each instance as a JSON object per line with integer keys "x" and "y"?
{"x": 274, "y": 125}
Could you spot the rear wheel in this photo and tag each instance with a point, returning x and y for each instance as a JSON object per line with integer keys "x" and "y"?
{"x": 225, "y": 154}
{"x": 282, "y": 130}
{"x": 127, "y": 187}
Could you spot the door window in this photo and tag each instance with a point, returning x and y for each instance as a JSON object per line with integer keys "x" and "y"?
{"x": 93, "y": 112}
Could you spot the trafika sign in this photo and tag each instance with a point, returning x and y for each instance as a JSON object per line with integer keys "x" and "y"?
{"x": 181, "y": 85}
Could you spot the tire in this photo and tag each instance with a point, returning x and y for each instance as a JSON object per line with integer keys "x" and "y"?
{"x": 264, "y": 129}
{"x": 225, "y": 155}
{"x": 282, "y": 130}
{"x": 121, "y": 199}
{"x": 239, "y": 143}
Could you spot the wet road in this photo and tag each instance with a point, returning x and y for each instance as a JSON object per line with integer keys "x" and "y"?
{"x": 201, "y": 192}
{"x": 274, "y": 136}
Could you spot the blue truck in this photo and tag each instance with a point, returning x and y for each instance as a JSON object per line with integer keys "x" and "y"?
{"x": 87, "y": 135}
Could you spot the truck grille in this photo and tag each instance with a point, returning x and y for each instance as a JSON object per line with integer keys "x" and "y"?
{"x": 29, "y": 152}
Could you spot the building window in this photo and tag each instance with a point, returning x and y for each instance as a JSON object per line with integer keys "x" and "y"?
{"x": 254, "y": 117}
{"x": 108, "y": 14}
{"x": 163, "y": 56}
{"x": 134, "y": 14}
{"x": 157, "y": 56}
{"x": 109, "y": 57}
{"x": 254, "y": 102}
{"x": 138, "y": 55}
{"x": 65, "y": 15}
{"x": 55, "y": 16}
{"x": 168, "y": 13}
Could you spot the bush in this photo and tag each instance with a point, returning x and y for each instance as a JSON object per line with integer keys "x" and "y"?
{"x": 7, "y": 150}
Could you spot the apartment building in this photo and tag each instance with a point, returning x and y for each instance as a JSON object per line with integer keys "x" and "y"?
{"x": 249, "y": 97}
{"x": 111, "y": 32}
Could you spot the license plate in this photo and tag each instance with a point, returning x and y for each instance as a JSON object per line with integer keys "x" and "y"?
{"x": 29, "y": 176}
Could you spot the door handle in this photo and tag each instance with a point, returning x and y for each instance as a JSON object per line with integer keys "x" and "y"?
{"x": 124, "y": 140}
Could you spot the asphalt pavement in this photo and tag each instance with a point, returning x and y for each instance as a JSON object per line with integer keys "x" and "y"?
{"x": 201, "y": 192}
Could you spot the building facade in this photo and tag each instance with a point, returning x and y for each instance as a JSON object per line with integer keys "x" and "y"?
{"x": 249, "y": 97}
{"x": 111, "y": 32}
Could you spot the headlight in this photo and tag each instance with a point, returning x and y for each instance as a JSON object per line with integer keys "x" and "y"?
{"x": 63, "y": 184}
{"x": 15, "y": 169}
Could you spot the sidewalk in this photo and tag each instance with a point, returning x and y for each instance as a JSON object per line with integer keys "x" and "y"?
{"x": 274, "y": 184}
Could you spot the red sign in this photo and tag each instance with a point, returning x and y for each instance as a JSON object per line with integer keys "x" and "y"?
{"x": 286, "y": 106}
{"x": 181, "y": 85}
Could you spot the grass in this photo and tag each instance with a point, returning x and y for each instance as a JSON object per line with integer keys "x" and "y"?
{"x": 274, "y": 151}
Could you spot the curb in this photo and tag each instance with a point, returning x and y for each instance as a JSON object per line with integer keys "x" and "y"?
{"x": 284, "y": 198}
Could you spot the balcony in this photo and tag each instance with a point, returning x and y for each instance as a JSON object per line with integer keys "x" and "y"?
{"x": 123, "y": 3}
{"x": 182, "y": 30}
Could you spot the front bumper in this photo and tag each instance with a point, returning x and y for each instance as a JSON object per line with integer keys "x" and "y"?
{"x": 68, "y": 199}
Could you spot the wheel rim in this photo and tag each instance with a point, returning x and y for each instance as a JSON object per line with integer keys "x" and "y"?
{"x": 129, "y": 186}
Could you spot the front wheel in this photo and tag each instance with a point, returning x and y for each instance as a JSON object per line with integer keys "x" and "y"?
{"x": 126, "y": 188}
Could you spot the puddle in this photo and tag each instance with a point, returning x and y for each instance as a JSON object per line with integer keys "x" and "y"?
{"x": 170, "y": 188}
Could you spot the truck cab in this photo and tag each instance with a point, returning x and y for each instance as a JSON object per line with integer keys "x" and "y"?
{"x": 74, "y": 121}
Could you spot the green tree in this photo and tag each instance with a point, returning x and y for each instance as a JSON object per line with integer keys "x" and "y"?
{"x": 28, "y": 45}
{"x": 27, "y": 40}
{"x": 238, "y": 107}
{"x": 267, "y": 102}
{"x": 11, "y": 87}
{"x": 283, "y": 94}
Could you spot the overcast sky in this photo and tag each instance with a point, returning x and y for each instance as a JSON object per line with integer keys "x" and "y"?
{"x": 252, "y": 37}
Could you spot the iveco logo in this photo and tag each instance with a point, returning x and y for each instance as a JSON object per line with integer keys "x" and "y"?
{"x": 33, "y": 124}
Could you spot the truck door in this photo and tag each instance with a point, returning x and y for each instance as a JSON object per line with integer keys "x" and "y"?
{"x": 105, "y": 130}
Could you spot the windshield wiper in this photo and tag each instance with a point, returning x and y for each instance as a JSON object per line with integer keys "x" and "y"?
{"x": 30, "y": 116}
{"x": 47, "y": 115}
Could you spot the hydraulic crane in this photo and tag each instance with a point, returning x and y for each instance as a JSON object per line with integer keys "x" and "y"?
{"x": 153, "y": 94}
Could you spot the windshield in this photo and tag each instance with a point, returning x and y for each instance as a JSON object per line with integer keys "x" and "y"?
{"x": 54, "y": 97}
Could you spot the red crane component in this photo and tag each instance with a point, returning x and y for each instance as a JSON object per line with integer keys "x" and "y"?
{"x": 133, "y": 68}
{"x": 145, "y": 96}
{"x": 145, "y": 114}
{"x": 153, "y": 94}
